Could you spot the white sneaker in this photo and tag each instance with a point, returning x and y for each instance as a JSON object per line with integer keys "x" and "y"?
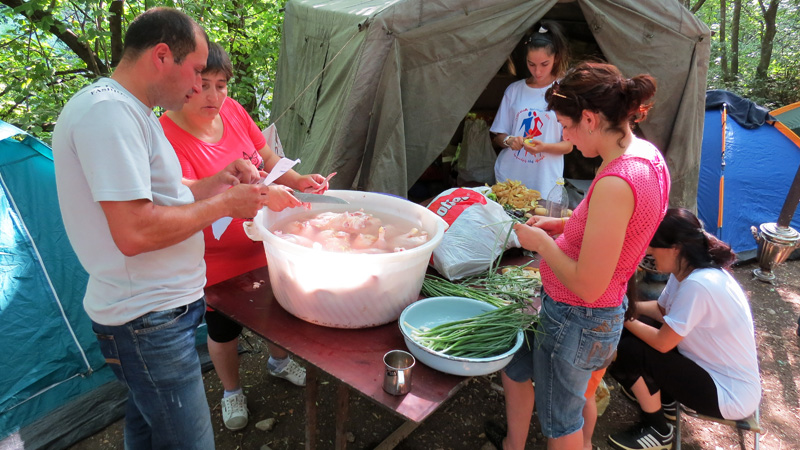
{"x": 295, "y": 373}
{"x": 234, "y": 412}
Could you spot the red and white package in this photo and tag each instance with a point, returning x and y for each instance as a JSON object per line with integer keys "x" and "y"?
{"x": 480, "y": 231}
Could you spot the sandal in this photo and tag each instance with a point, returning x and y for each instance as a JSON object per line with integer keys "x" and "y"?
{"x": 495, "y": 433}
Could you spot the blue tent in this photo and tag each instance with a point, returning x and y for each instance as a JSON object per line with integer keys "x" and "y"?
{"x": 760, "y": 162}
{"x": 50, "y": 356}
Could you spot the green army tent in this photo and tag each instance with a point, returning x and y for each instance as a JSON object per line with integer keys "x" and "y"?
{"x": 375, "y": 89}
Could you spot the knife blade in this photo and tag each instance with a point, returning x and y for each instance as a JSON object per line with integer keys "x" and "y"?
{"x": 319, "y": 198}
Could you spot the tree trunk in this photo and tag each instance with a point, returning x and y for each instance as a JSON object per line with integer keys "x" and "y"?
{"x": 735, "y": 21}
{"x": 115, "y": 26}
{"x": 723, "y": 6}
{"x": 767, "y": 38}
{"x": 241, "y": 65}
{"x": 70, "y": 39}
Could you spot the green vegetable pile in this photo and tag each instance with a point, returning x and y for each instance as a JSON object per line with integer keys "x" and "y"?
{"x": 489, "y": 334}
{"x": 514, "y": 284}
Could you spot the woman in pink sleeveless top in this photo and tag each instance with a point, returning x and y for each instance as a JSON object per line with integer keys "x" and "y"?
{"x": 586, "y": 268}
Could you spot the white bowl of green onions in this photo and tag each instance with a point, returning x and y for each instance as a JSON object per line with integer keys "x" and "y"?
{"x": 463, "y": 336}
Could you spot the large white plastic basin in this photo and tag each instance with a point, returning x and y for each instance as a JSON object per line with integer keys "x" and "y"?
{"x": 434, "y": 311}
{"x": 345, "y": 290}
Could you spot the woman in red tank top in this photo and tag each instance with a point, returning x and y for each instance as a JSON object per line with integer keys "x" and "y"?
{"x": 586, "y": 268}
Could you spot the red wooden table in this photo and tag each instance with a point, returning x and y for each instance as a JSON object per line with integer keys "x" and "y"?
{"x": 353, "y": 357}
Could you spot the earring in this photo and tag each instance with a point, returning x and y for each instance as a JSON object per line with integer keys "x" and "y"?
{"x": 590, "y": 131}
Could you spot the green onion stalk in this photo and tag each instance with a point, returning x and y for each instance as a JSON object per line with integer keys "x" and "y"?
{"x": 433, "y": 286}
{"x": 488, "y": 334}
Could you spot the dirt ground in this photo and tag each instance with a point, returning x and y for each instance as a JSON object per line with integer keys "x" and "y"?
{"x": 458, "y": 424}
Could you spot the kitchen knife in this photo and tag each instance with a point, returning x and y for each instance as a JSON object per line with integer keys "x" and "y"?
{"x": 318, "y": 198}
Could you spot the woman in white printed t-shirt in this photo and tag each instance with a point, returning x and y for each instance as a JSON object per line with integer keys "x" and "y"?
{"x": 529, "y": 134}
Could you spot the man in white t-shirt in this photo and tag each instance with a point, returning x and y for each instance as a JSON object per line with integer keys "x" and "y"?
{"x": 136, "y": 225}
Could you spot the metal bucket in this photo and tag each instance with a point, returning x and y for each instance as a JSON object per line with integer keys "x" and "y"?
{"x": 775, "y": 244}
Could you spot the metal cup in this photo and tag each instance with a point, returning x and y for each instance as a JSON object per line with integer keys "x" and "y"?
{"x": 397, "y": 372}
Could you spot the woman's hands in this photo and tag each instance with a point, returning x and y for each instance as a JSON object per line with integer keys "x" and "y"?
{"x": 551, "y": 225}
{"x": 312, "y": 183}
{"x": 513, "y": 142}
{"x": 280, "y": 197}
{"x": 533, "y": 146}
{"x": 538, "y": 231}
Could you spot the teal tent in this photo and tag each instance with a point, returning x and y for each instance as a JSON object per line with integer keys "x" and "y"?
{"x": 50, "y": 357}
{"x": 55, "y": 387}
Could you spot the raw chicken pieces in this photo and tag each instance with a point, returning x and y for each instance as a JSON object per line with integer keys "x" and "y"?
{"x": 356, "y": 232}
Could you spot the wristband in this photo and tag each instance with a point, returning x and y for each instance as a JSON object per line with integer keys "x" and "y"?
{"x": 505, "y": 141}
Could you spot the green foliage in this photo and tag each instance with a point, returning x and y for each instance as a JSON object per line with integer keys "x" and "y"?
{"x": 782, "y": 86}
{"x": 39, "y": 72}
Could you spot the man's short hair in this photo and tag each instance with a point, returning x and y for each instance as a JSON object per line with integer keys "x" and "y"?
{"x": 162, "y": 25}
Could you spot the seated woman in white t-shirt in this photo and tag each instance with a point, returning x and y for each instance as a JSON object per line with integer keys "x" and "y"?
{"x": 704, "y": 353}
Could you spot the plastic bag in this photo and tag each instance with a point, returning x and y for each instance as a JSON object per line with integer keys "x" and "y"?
{"x": 478, "y": 231}
{"x": 271, "y": 135}
{"x": 602, "y": 396}
{"x": 476, "y": 158}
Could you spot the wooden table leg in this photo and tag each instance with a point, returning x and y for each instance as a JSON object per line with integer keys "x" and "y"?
{"x": 342, "y": 410}
{"x": 312, "y": 390}
{"x": 398, "y": 435}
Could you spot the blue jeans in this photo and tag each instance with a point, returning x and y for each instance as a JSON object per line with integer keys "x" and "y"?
{"x": 571, "y": 342}
{"x": 155, "y": 357}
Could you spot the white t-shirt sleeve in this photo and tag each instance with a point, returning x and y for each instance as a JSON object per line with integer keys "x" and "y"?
{"x": 504, "y": 120}
{"x": 115, "y": 159}
{"x": 689, "y": 306}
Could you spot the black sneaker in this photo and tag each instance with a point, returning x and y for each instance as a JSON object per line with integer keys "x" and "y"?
{"x": 670, "y": 410}
{"x": 646, "y": 438}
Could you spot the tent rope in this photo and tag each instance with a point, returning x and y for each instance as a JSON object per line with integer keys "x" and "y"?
{"x": 361, "y": 27}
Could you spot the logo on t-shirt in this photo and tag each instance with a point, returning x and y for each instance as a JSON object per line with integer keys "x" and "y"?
{"x": 531, "y": 125}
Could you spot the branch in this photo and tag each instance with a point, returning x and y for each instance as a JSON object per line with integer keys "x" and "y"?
{"x": 72, "y": 71}
{"x": 4, "y": 115}
{"x": 697, "y": 6}
{"x": 69, "y": 38}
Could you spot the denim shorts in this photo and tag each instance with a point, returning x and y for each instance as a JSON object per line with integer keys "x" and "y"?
{"x": 570, "y": 343}
{"x": 155, "y": 357}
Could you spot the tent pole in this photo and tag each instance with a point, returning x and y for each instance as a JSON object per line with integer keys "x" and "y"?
{"x": 722, "y": 172}
{"x": 790, "y": 205}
